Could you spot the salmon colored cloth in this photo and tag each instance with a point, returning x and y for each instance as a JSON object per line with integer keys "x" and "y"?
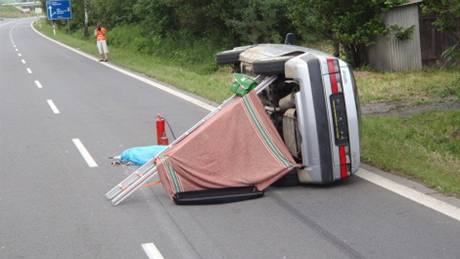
{"x": 239, "y": 146}
{"x": 100, "y": 34}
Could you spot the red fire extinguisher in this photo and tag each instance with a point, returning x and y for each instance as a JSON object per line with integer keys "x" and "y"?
{"x": 162, "y": 139}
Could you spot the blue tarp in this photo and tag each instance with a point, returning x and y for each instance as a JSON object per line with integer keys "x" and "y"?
{"x": 141, "y": 155}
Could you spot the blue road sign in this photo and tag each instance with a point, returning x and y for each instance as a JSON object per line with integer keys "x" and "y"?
{"x": 58, "y": 10}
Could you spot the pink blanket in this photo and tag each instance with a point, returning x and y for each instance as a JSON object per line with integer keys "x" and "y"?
{"x": 239, "y": 146}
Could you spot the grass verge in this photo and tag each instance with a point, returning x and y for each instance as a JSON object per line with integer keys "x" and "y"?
{"x": 411, "y": 88}
{"x": 425, "y": 147}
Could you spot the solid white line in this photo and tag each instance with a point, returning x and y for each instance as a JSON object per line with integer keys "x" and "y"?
{"x": 157, "y": 85}
{"x": 29, "y": 71}
{"x": 152, "y": 251}
{"x": 10, "y": 35}
{"x": 37, "y": 83}
{"x": 411, "y": 194}
{"x": 23, "y": 61}
{"x": 53, "y": 106}
{"x": 84, "y": 153}
{"x": 371, "y": 177}
{"x": 19, "y": 55}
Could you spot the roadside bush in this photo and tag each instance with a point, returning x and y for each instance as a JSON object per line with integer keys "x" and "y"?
{"x": 181, "y": 49}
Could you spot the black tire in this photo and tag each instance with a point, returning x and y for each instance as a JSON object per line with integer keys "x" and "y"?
{"x": 290, "y": 179}
{"x": 230, "y": 56}
{"x": 273, "y": 66}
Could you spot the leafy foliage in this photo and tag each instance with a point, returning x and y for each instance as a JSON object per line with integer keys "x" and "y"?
{"x": 401, "y": 33}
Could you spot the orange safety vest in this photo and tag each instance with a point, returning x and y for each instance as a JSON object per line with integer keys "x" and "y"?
{"x": 100, "y": 34}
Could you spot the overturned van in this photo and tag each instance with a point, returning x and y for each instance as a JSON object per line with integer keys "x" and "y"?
{"x": 294, "y": 119}
{"x": 313, "y": 103}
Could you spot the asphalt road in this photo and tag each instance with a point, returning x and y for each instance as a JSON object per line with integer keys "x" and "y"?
{"x": 52, "y": 203}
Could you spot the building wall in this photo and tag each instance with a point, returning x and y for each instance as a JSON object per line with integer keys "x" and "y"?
{"x": 391, "y": 54}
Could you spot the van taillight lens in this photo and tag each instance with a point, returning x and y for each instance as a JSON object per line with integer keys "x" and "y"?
{"x": 336, "y": 88}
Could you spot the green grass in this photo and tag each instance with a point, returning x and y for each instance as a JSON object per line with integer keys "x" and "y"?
{"x": 425, "y": 147}
{"x": 411, "y": 88}
{"x": 7, "y": 11}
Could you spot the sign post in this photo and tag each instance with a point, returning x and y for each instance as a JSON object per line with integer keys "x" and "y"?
{"x": 58, "y": 10}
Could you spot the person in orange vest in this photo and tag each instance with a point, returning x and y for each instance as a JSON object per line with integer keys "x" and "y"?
{"x": 101, "y": 42}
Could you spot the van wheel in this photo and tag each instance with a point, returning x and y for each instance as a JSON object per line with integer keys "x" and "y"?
{"x": 273, "y": 66}
{"x": 230, "y": 56}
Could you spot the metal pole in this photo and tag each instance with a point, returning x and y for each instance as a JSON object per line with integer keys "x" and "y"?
{"x": 85, "y": 30}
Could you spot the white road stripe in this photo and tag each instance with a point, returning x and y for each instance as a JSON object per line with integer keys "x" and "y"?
{"x": 369, "y": 176}
{"x": 19, "y": 55}
{"x": 411, "y": 194}
{"x": 152, "y": 251}
{"x": 23, "y": 61}
{"x": 10, "y": 34}
{"x": 16, "y": 50}
{"x": 38, "y": 84}
{"x": 29, "y": 71}
{"x": 84, "y": 153}
{"x": 53, "y": 106}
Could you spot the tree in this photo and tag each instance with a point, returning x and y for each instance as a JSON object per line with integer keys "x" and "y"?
{"x": 352, "y": 24}
{"x": 258, "y": 21}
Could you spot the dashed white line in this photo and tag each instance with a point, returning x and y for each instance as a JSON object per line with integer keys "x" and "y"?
{"x": 152, "y": 251}
{"x": 29, "y": 71}
{"x": 16, "y": 50}
{"x": 38, "y": 84}
{"x": 411, "y": 194}
{"x": 84, "y": 153}
{"x": 53, "y": 106}
{"x": 19, "y": 55}
{"x": 23, "y": 61}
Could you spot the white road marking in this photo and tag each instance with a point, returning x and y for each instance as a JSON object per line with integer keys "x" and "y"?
{"x": 411, "y": 194}
{"x": 152, "y": 251}
{"x": 11, "y": 35}
{"x": 416, "y": 196}
{"x": 37, "y": 83}
{"x": 17, "y": 50}
{"x": 23, "y": 61}
{"x": 19, "y": 55}
{"x": 84, "y": 153}
{"x": 29, "y": 71}
{"x": 160, "y": 86}
{"x": 53, "y": 106}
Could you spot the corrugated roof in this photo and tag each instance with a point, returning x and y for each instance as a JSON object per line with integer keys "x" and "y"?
{"x": 410, "y": 2}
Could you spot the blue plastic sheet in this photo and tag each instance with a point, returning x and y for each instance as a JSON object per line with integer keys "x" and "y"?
{"x": 141, "y": 155}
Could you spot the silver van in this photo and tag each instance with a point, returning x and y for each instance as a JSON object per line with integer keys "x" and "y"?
{"x": 313, "y": 104}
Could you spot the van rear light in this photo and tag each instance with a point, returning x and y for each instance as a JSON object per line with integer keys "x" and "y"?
{"x": 339, "y": 115}
{"x": 343, "y": 162}
{"x": 334, "y": 75}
